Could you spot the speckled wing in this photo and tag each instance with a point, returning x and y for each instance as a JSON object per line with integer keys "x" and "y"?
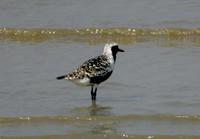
{"x": 94, "y": 67}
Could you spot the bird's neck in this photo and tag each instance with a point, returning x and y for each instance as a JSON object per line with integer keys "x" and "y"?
{"x": 111, "y": 57}
{"x": 111, "y": 60}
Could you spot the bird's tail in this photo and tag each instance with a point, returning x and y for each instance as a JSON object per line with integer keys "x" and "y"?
{"x": 61, "y": 77}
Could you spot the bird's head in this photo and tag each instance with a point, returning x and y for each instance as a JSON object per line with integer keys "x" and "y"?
{"x": 112, "y": 49}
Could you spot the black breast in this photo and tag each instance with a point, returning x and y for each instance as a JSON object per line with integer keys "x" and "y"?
{"x": 99, "y": 79}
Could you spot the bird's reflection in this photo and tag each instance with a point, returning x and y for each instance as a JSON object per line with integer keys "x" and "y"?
{"x": 97, "y": 112}
{"x": 93, "y": 110}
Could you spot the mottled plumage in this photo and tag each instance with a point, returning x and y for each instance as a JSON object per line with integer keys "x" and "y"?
{"x": 92, "y": 68}
{"x": 95, "y": 70}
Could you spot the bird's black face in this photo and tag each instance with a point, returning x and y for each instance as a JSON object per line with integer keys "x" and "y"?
{"x": 115, "y": 49}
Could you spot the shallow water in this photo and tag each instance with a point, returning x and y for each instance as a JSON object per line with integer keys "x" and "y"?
{"x": 151, "y": 85}
{"x": 104, "y": 13}
{"x": 153, "y": 92}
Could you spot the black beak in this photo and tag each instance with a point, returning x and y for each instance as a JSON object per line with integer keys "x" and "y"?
{"x": 120, "y": 50}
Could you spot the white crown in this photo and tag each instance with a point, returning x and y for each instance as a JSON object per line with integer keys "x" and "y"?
{"x": 107, "y": 48}
{"x": 111, "y": 44}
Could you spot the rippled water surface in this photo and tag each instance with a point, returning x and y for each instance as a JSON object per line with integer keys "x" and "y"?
{"x": 154, "y": 91}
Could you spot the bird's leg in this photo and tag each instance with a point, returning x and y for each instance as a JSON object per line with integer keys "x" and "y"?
{"x": 95, "y": 93}
{"x": 92, "y": 92}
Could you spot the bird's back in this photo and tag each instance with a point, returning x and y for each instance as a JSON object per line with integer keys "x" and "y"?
{"x": 97, "y": 69}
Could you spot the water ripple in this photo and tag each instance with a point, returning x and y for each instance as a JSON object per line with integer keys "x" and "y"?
{"x": 99, "y": 35}
{"x": 72, "y": 119}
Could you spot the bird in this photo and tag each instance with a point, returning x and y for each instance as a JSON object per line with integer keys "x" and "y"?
{"x": 95, "y": 70}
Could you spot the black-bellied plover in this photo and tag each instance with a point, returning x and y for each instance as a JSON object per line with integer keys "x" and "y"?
{"x": 95, "y": 70}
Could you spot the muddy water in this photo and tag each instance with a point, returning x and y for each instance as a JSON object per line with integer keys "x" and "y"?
{"x": 153, "y": 92}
